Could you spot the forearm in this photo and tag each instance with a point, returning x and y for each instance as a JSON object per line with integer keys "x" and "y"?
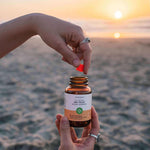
{"x": 15, "y": 32}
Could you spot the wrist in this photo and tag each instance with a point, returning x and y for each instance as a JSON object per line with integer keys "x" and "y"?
{"x": 33, "y": 20}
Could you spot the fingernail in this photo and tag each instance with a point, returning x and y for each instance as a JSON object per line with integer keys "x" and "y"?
{"x": 76, "y": 62}
{"x": 58, "y": 117}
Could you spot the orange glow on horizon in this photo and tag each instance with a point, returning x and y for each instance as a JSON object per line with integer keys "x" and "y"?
{"x": 99, "y": 18}
{"x": 117, "y": 35}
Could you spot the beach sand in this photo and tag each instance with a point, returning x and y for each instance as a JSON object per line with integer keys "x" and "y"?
{"x": 32, "y": 83}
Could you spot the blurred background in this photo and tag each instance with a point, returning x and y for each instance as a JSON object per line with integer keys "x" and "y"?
{"x": 33, "y": 77}
{"x": 99, "y": 18}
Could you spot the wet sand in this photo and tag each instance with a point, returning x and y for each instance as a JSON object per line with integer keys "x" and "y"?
{"x": 32, "y": 83}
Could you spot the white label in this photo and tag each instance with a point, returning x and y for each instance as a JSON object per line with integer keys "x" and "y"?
{"x": 74, "y": 101}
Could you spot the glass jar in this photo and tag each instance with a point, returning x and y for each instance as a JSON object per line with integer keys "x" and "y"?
{"x": 78, "y": 101}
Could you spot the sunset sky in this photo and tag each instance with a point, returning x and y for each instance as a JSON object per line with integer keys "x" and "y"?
{"x": 104, "y": 9}
{"x": 108, "y": 10}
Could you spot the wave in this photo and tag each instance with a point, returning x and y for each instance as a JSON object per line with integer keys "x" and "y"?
{"x": 139, "y": 26}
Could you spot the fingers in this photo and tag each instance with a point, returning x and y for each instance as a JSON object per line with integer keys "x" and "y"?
{"x": 72, "y": 131}
{"x": 78, "y": 53}
{"x": 85, "y": 48}
{"x": 86, "y": 51}
{"x": 72, "y": 57}
{"x": 57, "y": 122}
{"x": 65, "y": 131}
{"x": 95, "y": 126}
{"x": 65, "y": 60}
{"x": 67, "y": 53}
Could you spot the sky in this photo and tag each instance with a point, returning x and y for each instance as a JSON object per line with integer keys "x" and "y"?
{"x": 99, "y": 9}
{"x": 89, "y": 10}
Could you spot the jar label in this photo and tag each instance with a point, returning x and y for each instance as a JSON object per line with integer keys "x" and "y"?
{"x": 78, "y": 107}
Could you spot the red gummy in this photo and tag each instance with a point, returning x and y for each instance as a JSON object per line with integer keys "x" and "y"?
{"x": 80, "y": 68}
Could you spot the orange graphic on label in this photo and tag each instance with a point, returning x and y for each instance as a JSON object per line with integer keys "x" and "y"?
{"x": 78, "y": 115}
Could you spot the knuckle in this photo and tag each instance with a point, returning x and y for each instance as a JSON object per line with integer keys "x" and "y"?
{"x": 65, "y": 126}
{"x": 77, "y": 29}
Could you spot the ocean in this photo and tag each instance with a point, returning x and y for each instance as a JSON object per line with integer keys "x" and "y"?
{"x": 139, "y": 27}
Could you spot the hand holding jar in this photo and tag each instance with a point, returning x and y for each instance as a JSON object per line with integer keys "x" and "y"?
{"x": 69, "y": 139}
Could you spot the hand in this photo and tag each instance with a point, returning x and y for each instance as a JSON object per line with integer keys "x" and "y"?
{"x": 69, "y": 140}
{"x": 58, "y": 34}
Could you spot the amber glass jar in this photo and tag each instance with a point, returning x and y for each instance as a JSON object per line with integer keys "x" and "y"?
{"x": 78, "y": 100}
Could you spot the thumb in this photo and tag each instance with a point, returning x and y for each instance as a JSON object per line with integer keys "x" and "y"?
{"x": 65, "y": 132}
{"x": 67, "y": 53}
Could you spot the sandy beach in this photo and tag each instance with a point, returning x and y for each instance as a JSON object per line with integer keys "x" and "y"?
{"x": 32, "y": 83}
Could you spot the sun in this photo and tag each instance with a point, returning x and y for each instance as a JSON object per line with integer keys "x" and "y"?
{"x": 118, "y": 14}
{"x": 117, "y": 35}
